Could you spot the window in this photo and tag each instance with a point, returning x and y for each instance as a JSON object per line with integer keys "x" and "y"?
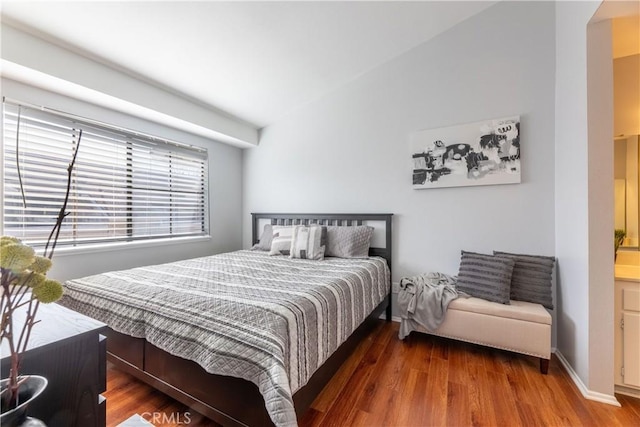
{"x": 125, "y": 186}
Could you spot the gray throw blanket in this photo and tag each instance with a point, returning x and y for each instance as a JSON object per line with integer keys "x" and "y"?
{"x": 423, "y": 300}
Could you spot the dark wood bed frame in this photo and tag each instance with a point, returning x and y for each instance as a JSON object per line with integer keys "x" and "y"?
{"x": 233, "y": 401}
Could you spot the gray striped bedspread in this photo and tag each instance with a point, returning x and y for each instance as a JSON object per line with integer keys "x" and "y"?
{"x": 271, "y": 320}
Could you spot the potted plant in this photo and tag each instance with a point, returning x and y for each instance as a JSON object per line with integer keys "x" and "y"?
{"x": 618, "y": 238}
{"x": 23, "y": 286}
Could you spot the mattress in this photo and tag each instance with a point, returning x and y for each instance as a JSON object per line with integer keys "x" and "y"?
{"x": 270, "y": 320}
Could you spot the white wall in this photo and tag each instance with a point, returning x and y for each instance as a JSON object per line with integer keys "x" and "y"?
{"x": 571, "y": 202}
{"x": 601, "y": 206}
{"x": 626, "y": 95}
{"x": 584, "y": 196}
{"x": 225, "y": 178}
{"x": 349, "y": 152}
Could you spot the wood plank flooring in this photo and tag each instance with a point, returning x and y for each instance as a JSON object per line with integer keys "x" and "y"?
{"x": 424, "y": 381}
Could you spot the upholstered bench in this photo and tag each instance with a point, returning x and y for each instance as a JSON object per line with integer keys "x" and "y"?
{"x": 521, "y": 327}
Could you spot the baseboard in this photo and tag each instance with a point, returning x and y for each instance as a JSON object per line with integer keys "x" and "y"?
{"x": 627, "y": 391}
{"x": 588, "y": 394}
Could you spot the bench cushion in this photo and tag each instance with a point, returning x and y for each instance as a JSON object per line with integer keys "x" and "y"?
{"x": 521, "y": 327}
{"x": 518, "y": 310}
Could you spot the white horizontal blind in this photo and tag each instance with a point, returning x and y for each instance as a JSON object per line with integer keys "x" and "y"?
{"x": 125, "y": 186}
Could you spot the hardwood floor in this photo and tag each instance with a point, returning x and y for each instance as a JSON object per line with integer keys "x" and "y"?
{"x": 425, "y": 381}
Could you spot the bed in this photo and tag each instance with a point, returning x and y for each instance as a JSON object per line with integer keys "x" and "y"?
{"x": 244, "y": 338}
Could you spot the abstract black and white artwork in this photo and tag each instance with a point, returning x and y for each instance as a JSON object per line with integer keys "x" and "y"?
{"x": 481, "y": 153}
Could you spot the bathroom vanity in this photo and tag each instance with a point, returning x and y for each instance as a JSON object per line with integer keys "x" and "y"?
{"x": 627, "y": 327}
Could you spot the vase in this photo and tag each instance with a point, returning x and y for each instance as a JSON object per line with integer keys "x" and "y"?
{"x": 30, "y": 388}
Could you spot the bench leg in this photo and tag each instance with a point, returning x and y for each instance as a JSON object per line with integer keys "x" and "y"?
{"x": 544, "y": 365}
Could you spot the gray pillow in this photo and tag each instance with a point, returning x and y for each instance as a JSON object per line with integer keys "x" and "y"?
{"x": 307, "y": 242}
{"x": 531, "y": 279}
{"x": 264, "y": 244}
{"x": 485, "y": 276}
{"x": 348, "y": 241}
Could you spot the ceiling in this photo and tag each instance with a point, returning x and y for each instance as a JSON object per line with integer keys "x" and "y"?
{"x": 257, "y": 61}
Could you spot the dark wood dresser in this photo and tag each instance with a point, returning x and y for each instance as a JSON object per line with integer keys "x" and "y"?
{"x": 68, "y": 349}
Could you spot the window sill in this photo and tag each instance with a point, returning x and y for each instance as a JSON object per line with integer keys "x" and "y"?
{"x": 110, "y": 247}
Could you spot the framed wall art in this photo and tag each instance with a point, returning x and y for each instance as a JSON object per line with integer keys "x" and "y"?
{"x": 480, "y": 153}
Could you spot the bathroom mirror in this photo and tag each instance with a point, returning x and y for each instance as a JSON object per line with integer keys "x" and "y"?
{"x": 627, "y": 182}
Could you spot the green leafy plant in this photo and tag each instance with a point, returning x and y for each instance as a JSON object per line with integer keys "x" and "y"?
{"x": 618, "y": 238}
{"x": 24, "y": 286}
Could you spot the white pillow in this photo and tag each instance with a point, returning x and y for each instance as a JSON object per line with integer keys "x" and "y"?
{"x": 307, "y": 242}
{"x": 281, "y": 239}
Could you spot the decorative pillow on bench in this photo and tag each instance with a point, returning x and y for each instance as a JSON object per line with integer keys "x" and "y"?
{"x": 485, "y": 276}
{"x": 531, "y": 279}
